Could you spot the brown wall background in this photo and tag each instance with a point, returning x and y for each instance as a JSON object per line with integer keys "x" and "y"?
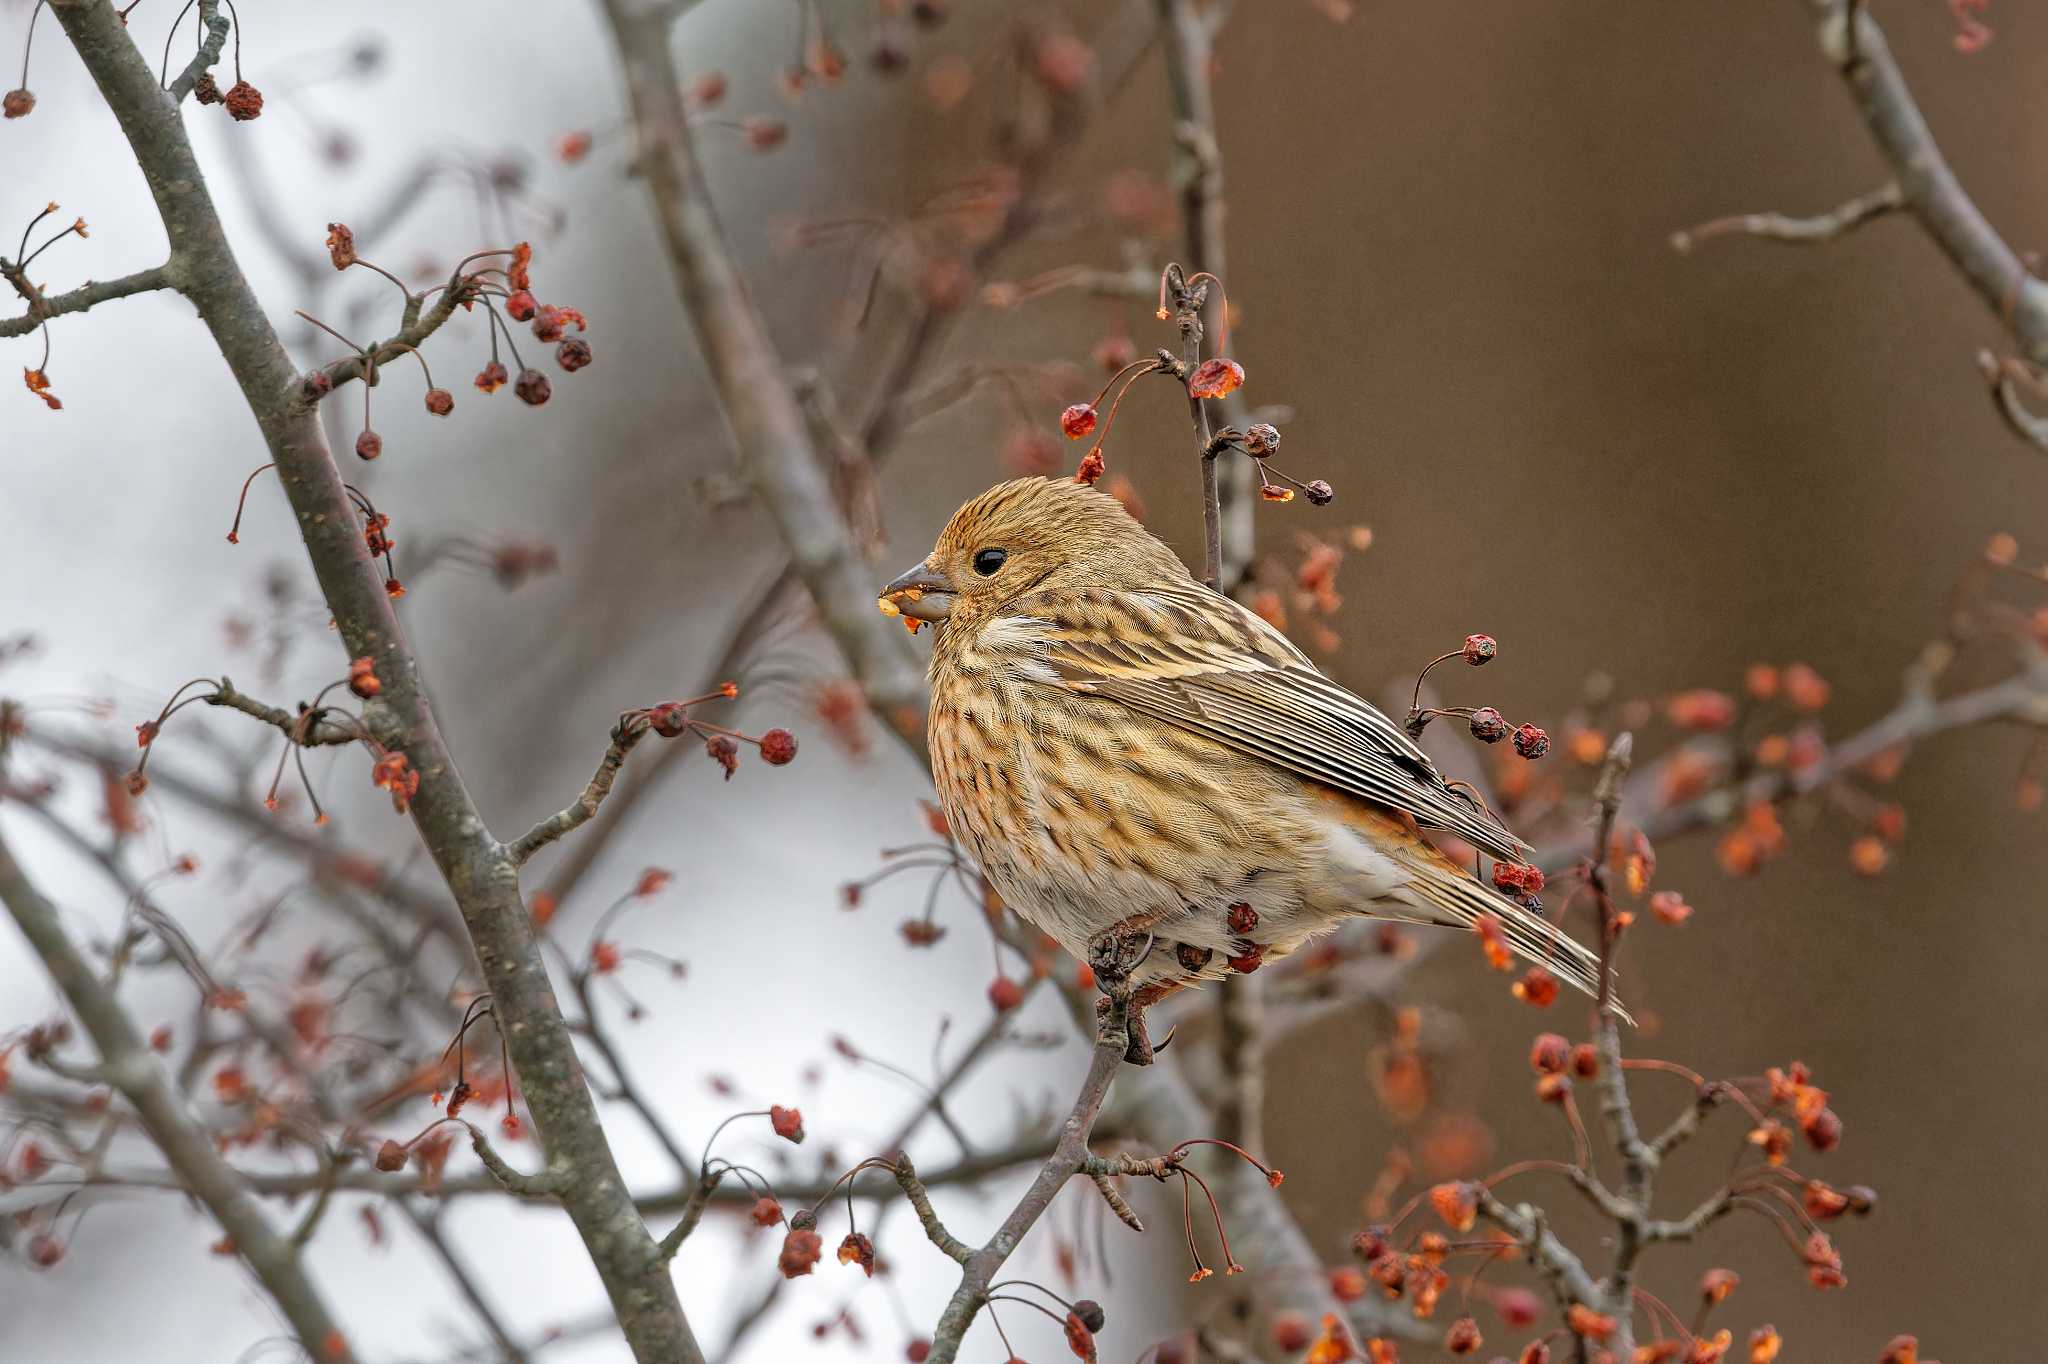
{"x": 1448, "y": 239}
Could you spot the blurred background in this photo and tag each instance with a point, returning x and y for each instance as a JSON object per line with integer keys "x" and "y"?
{"x": 1448, "y": 259}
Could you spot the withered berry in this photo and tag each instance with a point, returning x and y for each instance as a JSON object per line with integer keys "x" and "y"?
{"x": 1319, "y": 492}
{"x": 787, "y": 1122}
{"x": 492, "y": 377}
{"x": 801, "y": 1250}
{"x": 1077, "y": 421}
{"x": 17, "y": 103}
{"x": 857, "y": 1249}
{"x": 1549, "y": 1054}
{"x": 244, "y": 101}
{"x": 440, "y": 401}
{"x": 206, "y": 90}
{"x": 778, "y": 747}
{"x": 573, "y": 354}
{"x": 1463, "y": 1338}
{"x": 1261, "y": 439}
{"x": 1479, "y": 649}
{"x": 392, "y": 1157}
{"x": 1215, "y": 378}
{"x": 1531, "y": 742}
{"x": 369, "y": 445}
{"x": 1488, "y": 725}
{"x": 1004, "y": 994}
{"x": 533, "y": 387}
{"x": 520, "y": 306}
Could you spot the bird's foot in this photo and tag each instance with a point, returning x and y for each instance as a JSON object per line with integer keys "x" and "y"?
{"x": 1112, "y": 956}
{"x": 1139, "y": 1049}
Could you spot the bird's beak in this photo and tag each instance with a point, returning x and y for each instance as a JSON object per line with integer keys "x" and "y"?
{"x": 922, "y": 594}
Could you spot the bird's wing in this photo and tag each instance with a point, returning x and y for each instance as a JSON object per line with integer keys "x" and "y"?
{"x": 1201, "y": 662}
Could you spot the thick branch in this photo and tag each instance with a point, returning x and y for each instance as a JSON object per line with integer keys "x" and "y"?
{"x": 1856, "y": 45}
{"x": 776, "y": 457}
{"x": 131, "y": 1068}
{"x": 478, "y": 871}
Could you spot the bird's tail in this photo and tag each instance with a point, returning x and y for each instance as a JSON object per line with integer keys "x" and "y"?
{"x": 1454, "y": 897}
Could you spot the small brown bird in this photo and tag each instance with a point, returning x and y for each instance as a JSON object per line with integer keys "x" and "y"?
{"x": 1136, "y": 759}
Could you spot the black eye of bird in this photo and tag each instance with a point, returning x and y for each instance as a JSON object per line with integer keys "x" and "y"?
{"x": 987, "y": 561}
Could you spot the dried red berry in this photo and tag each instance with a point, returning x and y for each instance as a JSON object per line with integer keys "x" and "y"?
{"x": 1479, "y": 649}
{"x": 724, "y": 752}
{"x": 1549, "y": 1054}
{"x": 1091, "y": 467}
{"x": 1291, "y": 1333}
{"x": 787, "y": 1122}
{"x": 1537, "y": 988}
{"x": 362, "y": 677}
{"x": 244, "y": 101}
{"x": 778, "y": 747}
{"x": 1214, "y": 378}
{"x": 857, "y": 1249}
{"x": 573, "y": 354}
{"x": 1078, "y": 420}
{"x": 392, "y": 1157}
{"x": 801, "y": 1251}
{"x": 1319, "y": 493}
{"x": 1463, "y": 1338}
{"x": 369, "y": 445}
{"x": 1585, "y": 1061}
{"x": 1531, "y": 742}
{"x": 533, "y": 387}
{"x": 1488, "y": 725}
{"x": 1702, "y": 711}
{"x": 1457, "y": 1203}
{"x": 206, "y": 90}
{"x": 766, "y": 1212}
{"x": 492, "y": 377}
{"x": 1823, "y": 1129}
{"x": 1004, "y": 994}
{"x": 520, "y": 306}
{"x": 341, "y": 245}
{"x": 17, "y": 103}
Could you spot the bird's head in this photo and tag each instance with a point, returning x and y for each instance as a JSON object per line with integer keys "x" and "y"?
{"x": 1025, "y": 536}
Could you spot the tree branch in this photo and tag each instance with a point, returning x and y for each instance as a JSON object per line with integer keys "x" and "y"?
{"x": 477, "y": 869}
{"x": 1779, "y": 227}
{"x": 131, "y": 1068}
{"x": 1855, "y": 44}
{"x": 42, "y": 307}
{"x": 776, "y": 457}
{"x": 631, "y": 729}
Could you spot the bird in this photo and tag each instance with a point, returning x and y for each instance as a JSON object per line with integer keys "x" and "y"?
{"x": 1156, "y": 777}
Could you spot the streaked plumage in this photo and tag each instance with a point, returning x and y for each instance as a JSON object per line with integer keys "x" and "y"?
{"x": 1122, "y": 748}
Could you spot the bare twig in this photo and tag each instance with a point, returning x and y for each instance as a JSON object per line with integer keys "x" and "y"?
{"x": 631, "y": 729}
{"x": 1779, "y": 227}
{"x": 44, "y": 306}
